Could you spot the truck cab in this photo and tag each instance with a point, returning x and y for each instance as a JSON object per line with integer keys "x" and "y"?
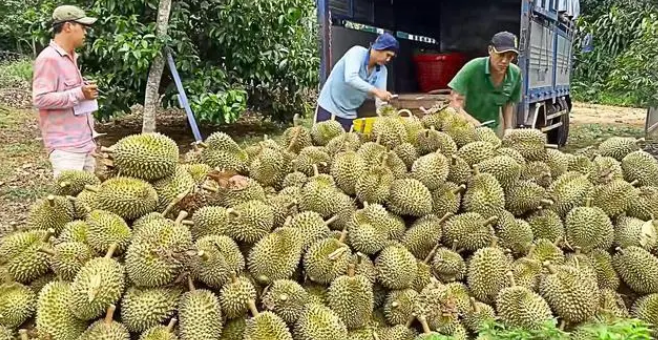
{"x": 437, "y": 37}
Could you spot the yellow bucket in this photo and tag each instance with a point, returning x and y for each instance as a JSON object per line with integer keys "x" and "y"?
{"x": 364, "y": 125}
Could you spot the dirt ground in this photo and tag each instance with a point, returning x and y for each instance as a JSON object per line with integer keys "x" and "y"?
{"x": 25, "y": 172}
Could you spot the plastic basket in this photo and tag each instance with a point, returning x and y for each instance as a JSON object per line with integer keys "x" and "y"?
{"x": 364, "y": 125}
{"x": 434, "y": 71}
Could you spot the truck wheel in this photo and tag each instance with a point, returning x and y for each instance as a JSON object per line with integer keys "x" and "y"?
{"x": 560, "y": 135}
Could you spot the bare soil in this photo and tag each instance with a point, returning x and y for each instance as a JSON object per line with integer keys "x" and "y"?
{"x": 25, "y": 173}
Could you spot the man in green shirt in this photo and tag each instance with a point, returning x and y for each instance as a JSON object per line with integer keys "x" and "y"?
{"x": 488, "y": 88}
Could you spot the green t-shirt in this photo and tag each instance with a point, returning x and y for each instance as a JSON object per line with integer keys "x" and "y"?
{"x": 483, "y": 100}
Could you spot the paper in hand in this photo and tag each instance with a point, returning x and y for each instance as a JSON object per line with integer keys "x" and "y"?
{"x": 85, "y": 107}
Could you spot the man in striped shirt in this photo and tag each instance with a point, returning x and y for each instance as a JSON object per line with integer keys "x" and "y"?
{"x": 60, "y": 93}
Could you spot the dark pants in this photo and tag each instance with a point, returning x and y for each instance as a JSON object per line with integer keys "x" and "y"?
{"x": 322, "y": 115}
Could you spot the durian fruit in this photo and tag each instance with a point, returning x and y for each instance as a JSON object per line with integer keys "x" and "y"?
{"x": 546, "y": 224}
{"x": 615, "y": 197}
{"x": 368, "y": 229}
{"x": 520, "y": 307}
{"x": 605, "y": 169}
{"x": 642, "y": 167}
{"x": 646, "y": 309}
{"x": 506, "y": 170}
{"x": 221, "y": 151}
{"x": 351, "y": 297}
{"x": 75, "y": 231}
{"x": 391, "y": 129}
{"x": 234, "y": 329}
{"x": 631, "y": 231}
{"x": 209, "y": 221}
{"x": 396, "y": 267}
{"x": 538, "y": 172}
{"x": 67, "y": 258}
{"x": 287, "y": 299}
{"x": 399, "y": 306}
{"x": 168, "y": 188}
{"x": 99, "y": 283}
{"x": 127, "y": 197}
{"x": 580, "y": 163}
{"x": 468, "y": 231}
{"x": 160, "y": 332}
{"x": 21, "y": 257}
{"x": 72, "y": 182}
{"x": 311, "y": 225}
{"x": 527, "y": 273}
{"x": 637, "y": 268}
{"x": 294, "y": 178}
{"x": 646, "y": 203}
{"x": 447, "y": 199}
{"x": 448, "y": 265}
{"x": 349, "y": 141}
{"x": 54, "y": 317}
{"x": 487, "y": 134}
{"x": 230, "y": 197}
{"x": 515, "y": 154}
{"x": 200, "y": 314}
{"x": 619, "y": 147}
{"x": 310, "y": 157}
{"x": 145, "y": 308}
{"x": 374, "y": 185}
{"x": 431, "y": 170}
{"x": 277, "y": 255}
{"x": 18, "y": 303}
{"x": 198, "y": 171}
{"x": 475, "y": 152}
{"x": 346, "y": 170}
{"x": 327, "y": 259}
{"x": 323, "y": 132}
{"x": 531, "y": 143}
{"x": 317, "y": 194}
{"x": 235, "y": 295}
{"x": 514, "y": 234}
{"x": 459, "y": 129}
{"x": 158, "y": 253}
{"x": 53, "y": 212}
{"x": 218, "y": 257}
{"x": 107, "y": 228}
{"x": 606, "y": 275}
{"x": 296, "y": 137}
{"x": 487, "y": 271}
{"x": 147, "y": 156}
{"x": 262, "y": 326}
{"x": 106, "y": 329}
{"x": 484, "y": 195}
{"x": 546, "y": 250}
{"x": 589, "y": 228}
{"x": 612, "y": 304}
{"x": 569, "y": 191}
{"x": 409, "y": 197}
{"x": 557, "y": 161}
{"x": 424, "y": 234}
{"x": 319, "y": 322}
{"x": 524, "y": 197}
{"x": 252, "y": 222}
{"x": 460, "y": 171}
{"x": 432, "y": 140}
{"x": 407, "y": 153}
{"x": 571, "y": 294}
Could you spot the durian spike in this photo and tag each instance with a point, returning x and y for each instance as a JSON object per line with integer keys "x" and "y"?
{"x": 23, "y": 334}
{"x": 351, "y": 269}
{"x": 510, "y": 277}
{"x": 337, "y": 253}
{"x": 171, "y": 325}
{"x": 181, "y": 217}
{"x": 109, "y": 316}
{"x": 331, "y": 220}
{"x": 474, "y": 305}
{"x": 111, "y": 250}
{"x": 173, "y": 203}
{"x": 190, "y": 284}
{"x": 460, "y": 190}
{"x": 252, "y": 308}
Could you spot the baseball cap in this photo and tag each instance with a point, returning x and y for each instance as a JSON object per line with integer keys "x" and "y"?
{"x": 386, "y": 42}
{"x": 505, "y": 42}
{"x": 72, "y": 13}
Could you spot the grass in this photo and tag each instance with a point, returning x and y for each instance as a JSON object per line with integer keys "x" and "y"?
{"x": 15, "y": 72}
{"x": 584, "y": 135}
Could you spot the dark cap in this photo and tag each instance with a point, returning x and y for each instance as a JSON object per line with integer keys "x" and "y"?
{"x": 386, "y": 42}
{"x": 505, "y": 42}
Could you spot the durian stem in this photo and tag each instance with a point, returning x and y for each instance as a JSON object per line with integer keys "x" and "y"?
{"x": 106, "y": 149}
{"x": 316, "y": 172}
{"x": 547, "y": 202}
{"x": 351, "y": 270}
{"x": 379, "y": 138}
{"x": 423, "y": 322}
{"x": 109, "y": 316}
{"x": 446, "y": 217}
{"x": 49, "y": 233}
{"x": 331, "y": 220}
{"x": 47, "y": 251}
{"x": 171, "y": 325}
{"x": 188, "y": 222}
{"x": 64, "y": 184}
{"x": 190, "y": 284}
{"x": 209, "y": 188}
{"x": 252, "y": 308}
{"x": 181, "y": 217}
{"x": 23, "y": 334}
{"x": 337, "y": 253}
{"x": 111, "y": 250}
{"x": 474, "y": 305}
{"x": 231, "y": 211}
{"x": 51, "y": 200}
{"x": 552, "y": 146}
{"x": 431, "y": 254}
{"x": 234, "y": 278}
{"x": 343, "y": 236}
{"x": 410, "y": 322}
{"x": 202, "y": 254}
{"x": 510, "y": 277}
{"x": 283, "y": 297}
{"x": 494, "y": 242}
{"x": 577, "y": 250}
{"x": 588, "y": 202}
{"x": 287, "y": 221}
{"x": 91, "y": 188}
{"x": 634, "y": 183}
{"x": 173, "y": 203}
{"x": 460, "y": 190}
{"x": 375, "y": 336}
{"x": 491, "y": 221}
{"x": 547, "y": 265}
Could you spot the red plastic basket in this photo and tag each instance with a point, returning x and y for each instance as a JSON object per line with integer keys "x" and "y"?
{"x": 434, "y": 71}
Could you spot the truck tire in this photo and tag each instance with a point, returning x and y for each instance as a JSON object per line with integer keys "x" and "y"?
{"x": 560, "y": 136}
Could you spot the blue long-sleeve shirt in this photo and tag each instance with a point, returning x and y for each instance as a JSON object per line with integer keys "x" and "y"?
{"x": 348, "y": 83}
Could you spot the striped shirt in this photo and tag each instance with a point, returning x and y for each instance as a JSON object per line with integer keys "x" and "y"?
{"x": 56, "y": 89}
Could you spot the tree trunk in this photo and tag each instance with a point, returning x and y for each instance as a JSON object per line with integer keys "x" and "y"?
{"x": 151, "y": 100}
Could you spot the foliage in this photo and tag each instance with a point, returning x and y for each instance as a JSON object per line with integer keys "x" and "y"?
{"x": 616, "y": 329}
{"x": 15, "y": 73}
{"x": 612, "y": 72}
{"x": 499, "y": 331}
{"x": 229, "y": 54}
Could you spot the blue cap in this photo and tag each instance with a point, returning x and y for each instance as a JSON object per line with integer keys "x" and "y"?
{"x": 386, "y": 42}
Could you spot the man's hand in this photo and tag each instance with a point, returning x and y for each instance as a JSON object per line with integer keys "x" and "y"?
{"x": 383, "y": 95}
{"x": 90, "y": 91}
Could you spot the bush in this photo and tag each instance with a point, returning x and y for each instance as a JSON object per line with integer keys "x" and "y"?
{"x": 230, "y": 54}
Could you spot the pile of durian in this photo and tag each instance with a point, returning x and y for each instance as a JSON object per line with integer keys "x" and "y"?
{"x": 424, "y": 226}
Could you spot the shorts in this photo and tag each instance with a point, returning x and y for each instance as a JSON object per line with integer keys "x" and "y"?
{"x": 67, "y": 160}
{"x": 322, "y": 115}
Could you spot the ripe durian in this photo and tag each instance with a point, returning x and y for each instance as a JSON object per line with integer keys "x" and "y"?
{"x": 319, "y": 322}
{"x": 235, "y": 296}
{"x": 409, "y": 197}
{"x": 106, "y": 329}
{"x": 571, "y": 294}
{"x": 18, "y": 303}
{"x": 127, "y": 197}
{"x": 642, "y": 167}
{"x": 396, "y": 267}
{"x": 518, "y": 306}
{"x": 53, "y": 212}
{"x": 160, "y": 332}
{"x": 619, "y": 147}
{"x": 431, "y": 170}
{"x": 484, "y": 195}
{"x": 200, "y": 314}
{"x": 468, "y": 231}
{"x": 531, "y": 143}
{"x": 487, "y": 272}
{"x": 351, "y": 297}
{"x": 147, "y": 156}
{"x": 637, "y": 268}
{"x": 323, "y": 132}
{"x": 73, "y": 182}
{"x": 287, "y": 299}
{"x": 145, "y": 308}
{"x": 589, "y": 228}
{"x": 53, "y": 314}
{"x": 218, "y": 257}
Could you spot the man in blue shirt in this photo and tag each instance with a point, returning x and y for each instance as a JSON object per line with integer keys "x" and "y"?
{"x": 359, "y": 74}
